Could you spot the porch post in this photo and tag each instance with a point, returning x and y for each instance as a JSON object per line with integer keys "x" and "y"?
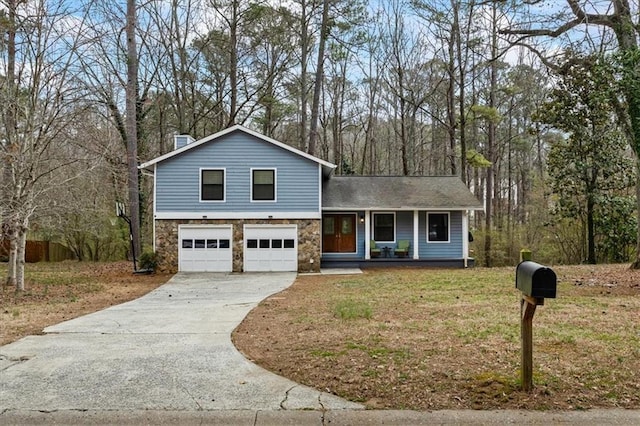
{"x": 367, "y": 235}
{"x": 416, "y": 234}
{"x": 465, "y": 237}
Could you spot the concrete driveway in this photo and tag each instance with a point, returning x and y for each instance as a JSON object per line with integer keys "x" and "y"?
{"x": 169, "y": 350}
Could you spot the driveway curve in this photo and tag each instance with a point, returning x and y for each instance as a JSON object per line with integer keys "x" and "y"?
{"x": 168, "y": 350}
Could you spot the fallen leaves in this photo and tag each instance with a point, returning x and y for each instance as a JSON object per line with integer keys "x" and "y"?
{"x": 60, "y": 291}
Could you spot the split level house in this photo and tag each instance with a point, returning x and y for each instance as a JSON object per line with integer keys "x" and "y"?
{"x": 240, "y": 201}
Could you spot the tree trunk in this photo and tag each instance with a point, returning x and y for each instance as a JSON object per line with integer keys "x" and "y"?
{"x": 21, "y": 248}
{"x": 462, "y": 102}
{"x": 636, "y": 263}
{"x": 451, "y": 96}
{"x": 317, "y": 88}
{"x": 491, "y": 141}
{"x": 132, "y": 126}
{"x": 591, "y": 239}
{"x": 8, "y": 222}
{"x": 13, "y": 253}
{"x": 634, "y": 110}
{"x": 233, "y": 63}
{"x": 304, "y": 54}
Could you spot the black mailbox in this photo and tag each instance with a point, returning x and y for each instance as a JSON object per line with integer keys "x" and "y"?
{"x": 536, "y": 280}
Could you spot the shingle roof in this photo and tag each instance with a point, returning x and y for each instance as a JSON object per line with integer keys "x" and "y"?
{"x": 397, "y": 193}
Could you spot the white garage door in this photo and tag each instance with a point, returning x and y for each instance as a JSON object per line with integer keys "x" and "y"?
{"x": 270, "y": 248}
{"x": 204, "y": 248}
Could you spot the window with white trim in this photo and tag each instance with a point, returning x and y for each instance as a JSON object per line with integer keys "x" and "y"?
{"x": 384, "y": 227}
{"x": 263, "y": 185}
{"x": 212, "y": 185}
{"x": 438, "y": 227}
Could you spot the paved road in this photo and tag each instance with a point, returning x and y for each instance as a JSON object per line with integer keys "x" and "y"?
{"x": 167, "y": 358}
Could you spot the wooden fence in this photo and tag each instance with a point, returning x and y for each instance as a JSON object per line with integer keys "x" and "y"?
{"x": 39, "y": 251}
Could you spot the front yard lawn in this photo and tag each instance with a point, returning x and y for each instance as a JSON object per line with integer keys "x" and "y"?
{"x": 450, "y": 338}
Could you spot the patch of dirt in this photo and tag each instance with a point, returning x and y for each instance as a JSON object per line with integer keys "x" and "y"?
{"x": 56, "y": 292}
{"x": 602, "y": 279}
{"x": 433, "y": 348}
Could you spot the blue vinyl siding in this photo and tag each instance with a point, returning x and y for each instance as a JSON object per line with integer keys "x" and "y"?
{"x": 450, "y": 250}
{"x": 404, "y": 227}
{"x": 178, "y": 179}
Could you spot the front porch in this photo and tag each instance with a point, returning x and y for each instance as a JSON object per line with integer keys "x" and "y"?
{"x": 377, "y": 221}
{"x": 396, "y": 262}
{"x": 383, "y": 238}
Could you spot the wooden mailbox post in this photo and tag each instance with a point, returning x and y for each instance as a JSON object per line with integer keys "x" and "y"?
{"x": 536, "y": 282}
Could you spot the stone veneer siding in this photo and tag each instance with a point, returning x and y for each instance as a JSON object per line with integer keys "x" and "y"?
{"x": 308, "y": 241}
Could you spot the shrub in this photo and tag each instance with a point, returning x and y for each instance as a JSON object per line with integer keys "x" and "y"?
{"x": 148, "y": 260}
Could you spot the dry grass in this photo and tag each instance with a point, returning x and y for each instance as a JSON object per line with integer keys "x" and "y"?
{"x": 435, "y": 339}
{"x": 60, "y": 291}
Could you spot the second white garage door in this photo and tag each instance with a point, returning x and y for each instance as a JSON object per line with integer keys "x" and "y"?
{"x": 204, "y": 248}
{"x": 270, "y": 248}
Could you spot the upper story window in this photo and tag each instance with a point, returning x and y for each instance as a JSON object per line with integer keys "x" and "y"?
{"x": 212, "y": 185}
{"x": 384, "y": 227}
{"x": 263, "y": 185}
{"x": 438, "y": 227}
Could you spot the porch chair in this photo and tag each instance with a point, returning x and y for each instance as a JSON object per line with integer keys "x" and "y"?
{"x": 402, "y": 249}
{"x": 375, "y": 251}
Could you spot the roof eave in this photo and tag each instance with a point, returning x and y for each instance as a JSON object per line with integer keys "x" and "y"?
{"x": 403, "y": 208}
{"x": 325, "y": 164}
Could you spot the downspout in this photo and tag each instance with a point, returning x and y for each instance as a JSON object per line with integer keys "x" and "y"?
{"x": 465, "y": 238}
{"x": 155, "y": 191}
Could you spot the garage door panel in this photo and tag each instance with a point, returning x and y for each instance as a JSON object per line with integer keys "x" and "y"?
{"x": 205, "y": 249}
{"x": 271, "y": 248}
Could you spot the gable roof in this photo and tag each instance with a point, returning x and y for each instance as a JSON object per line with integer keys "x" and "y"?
{"x": 398, "y": 193}
{"x": 327, "y": 167}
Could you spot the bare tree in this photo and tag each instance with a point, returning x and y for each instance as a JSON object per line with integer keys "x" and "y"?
{"x": 185, "y": 101}
{"x": 371, "y": 66}
{"x": 124, "y": 86}
{"x": 132, "y": 126}
{"x": 325, "y": 28}
{"x": 491, "y": 140}
{"x": 39, "y": 98}
{"x": 271, "y": 35}
{"x": 406, "y": 78}
{"x": 306, "y": 14}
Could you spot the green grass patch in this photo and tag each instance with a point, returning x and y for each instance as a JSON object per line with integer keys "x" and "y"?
{"x": 323, "y": 353}
{"x": 350, "y": 284}
{"x": 351, "y": 309}
{"x": 371, "y": 373}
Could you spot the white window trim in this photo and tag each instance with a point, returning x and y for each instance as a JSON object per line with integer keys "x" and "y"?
{"x": 224, "y": 184}
{"x": 373, "y": 226}
{"x": 275, "y": 184}
{"x": 448, "y": 228}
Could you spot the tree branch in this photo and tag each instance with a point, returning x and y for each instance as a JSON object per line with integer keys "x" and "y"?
{"x": 581, "y": 18}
